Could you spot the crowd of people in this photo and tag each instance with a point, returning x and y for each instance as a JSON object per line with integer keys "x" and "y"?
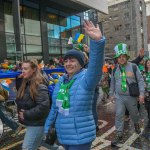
{"x": 72, "y": 108}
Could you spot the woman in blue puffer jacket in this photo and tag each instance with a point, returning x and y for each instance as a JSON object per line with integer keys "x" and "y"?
{"x": 73, "y": 95}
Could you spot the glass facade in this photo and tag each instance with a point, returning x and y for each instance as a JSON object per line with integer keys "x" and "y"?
{"x": 9, "y": 32}
{"x": 59, "y": 29}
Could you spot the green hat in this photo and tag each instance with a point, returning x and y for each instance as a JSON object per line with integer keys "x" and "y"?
{"x": 120, "y": 49}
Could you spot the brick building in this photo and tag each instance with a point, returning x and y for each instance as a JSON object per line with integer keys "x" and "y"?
{"x": 148, "y": 23}
{"x": 126, "y": 23}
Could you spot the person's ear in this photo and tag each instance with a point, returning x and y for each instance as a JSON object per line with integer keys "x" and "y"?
{"x": 34, "y": 70}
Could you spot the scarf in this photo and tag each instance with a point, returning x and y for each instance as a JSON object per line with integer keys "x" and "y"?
{"x": 123, "y": 80}
{"x": 62, "y": 101}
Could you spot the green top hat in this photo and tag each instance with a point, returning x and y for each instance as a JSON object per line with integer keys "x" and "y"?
{"x": 120, "y": 49}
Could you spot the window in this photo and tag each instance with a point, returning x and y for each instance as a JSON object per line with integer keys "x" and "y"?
{"x": 86, "y": 15}
{"x": 7, "y": 8}
{"x": 126, "y": 15}
{"x": 115, "y": 18}
{"x": 141, "y": 29}
{"x": 52, "y": 18}
{"x": 29, "y": 13}
{"x": 125, "y": 6}
{"x": 9, "y": 26}
{"x": 127, "y": 37}
{"x": 10, "y": 38}
{"x": 127, "y": 26}
{"x": 32, "y": 27}
{"x": 116, "y": 9}
{"x": 129, "y": 47}
{"x": 116, "y": 28}
{"x": 140, "y": 6}
{"x": 63, "y": 21}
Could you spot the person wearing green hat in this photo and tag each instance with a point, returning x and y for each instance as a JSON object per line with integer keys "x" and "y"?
{"x": 120, "y": 94}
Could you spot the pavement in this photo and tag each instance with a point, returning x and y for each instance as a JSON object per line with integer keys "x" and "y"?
{"x": 106, "y": 114}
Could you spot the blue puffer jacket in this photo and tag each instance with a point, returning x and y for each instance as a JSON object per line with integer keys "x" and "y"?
{"x": 79, "y": 127}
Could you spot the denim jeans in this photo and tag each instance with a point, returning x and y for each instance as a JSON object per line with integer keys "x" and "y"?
{"x": 33, "y": 137}
{"x": 86, "y": 146}
{"x": 6, "y": 118}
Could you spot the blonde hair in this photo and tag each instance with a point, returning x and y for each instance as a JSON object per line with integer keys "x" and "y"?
{"x": 34, "y": 81}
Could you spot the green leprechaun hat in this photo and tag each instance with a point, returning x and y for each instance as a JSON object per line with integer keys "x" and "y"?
{"x": 120, "y": 49}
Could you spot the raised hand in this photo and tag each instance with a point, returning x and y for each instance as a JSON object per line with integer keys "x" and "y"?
{"x": 92, "y": 31}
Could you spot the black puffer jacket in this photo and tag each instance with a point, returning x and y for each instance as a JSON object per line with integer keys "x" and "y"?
{"x": 35, "y": 112}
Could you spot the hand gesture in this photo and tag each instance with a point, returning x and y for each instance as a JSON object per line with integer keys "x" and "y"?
{"x": 141, "y": 52}
{"x": 92, "y": 31}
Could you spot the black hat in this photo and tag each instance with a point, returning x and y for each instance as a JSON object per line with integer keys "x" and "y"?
{"x": 76, "y": 54}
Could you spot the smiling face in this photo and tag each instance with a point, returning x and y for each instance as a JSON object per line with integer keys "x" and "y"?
{"x": 27, "y": 71}
{"x": 122, "y": 59}
{"x": 72, "y": 66}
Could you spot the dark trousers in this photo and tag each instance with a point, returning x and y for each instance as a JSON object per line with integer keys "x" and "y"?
{"x": 147, "y": 106}
{"x": 86, "y": 146}
{"x": 127, "y": 112}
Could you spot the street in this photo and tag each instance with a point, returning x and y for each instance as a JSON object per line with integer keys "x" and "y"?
{"x": 131, "y": 140}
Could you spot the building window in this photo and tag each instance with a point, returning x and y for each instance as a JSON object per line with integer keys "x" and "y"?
{"x": 8, "y": 8}
{"x": 127, "y": 37}
{"x": 9, "y": 32}
{"x": 125, "y": 6}
{"x": 126, "y": 15}
{"x": 116, "y": 28}
{"x": 29, "y": 13}
{"x": 141, "y": 29}
{"x": 52, "y": 19}
{"x": 140, "y": 6}
{"x": 115, "y": 18}
{"x": 127, "y": 26}
{"x": 116, "y": 9}
{"x": 129, "y": 47}
{"x": 86, "y": 15}
{"x": 30, "y": 32}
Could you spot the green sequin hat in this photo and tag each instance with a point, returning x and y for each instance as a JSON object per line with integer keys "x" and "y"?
{"x": 120, "y": 49}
